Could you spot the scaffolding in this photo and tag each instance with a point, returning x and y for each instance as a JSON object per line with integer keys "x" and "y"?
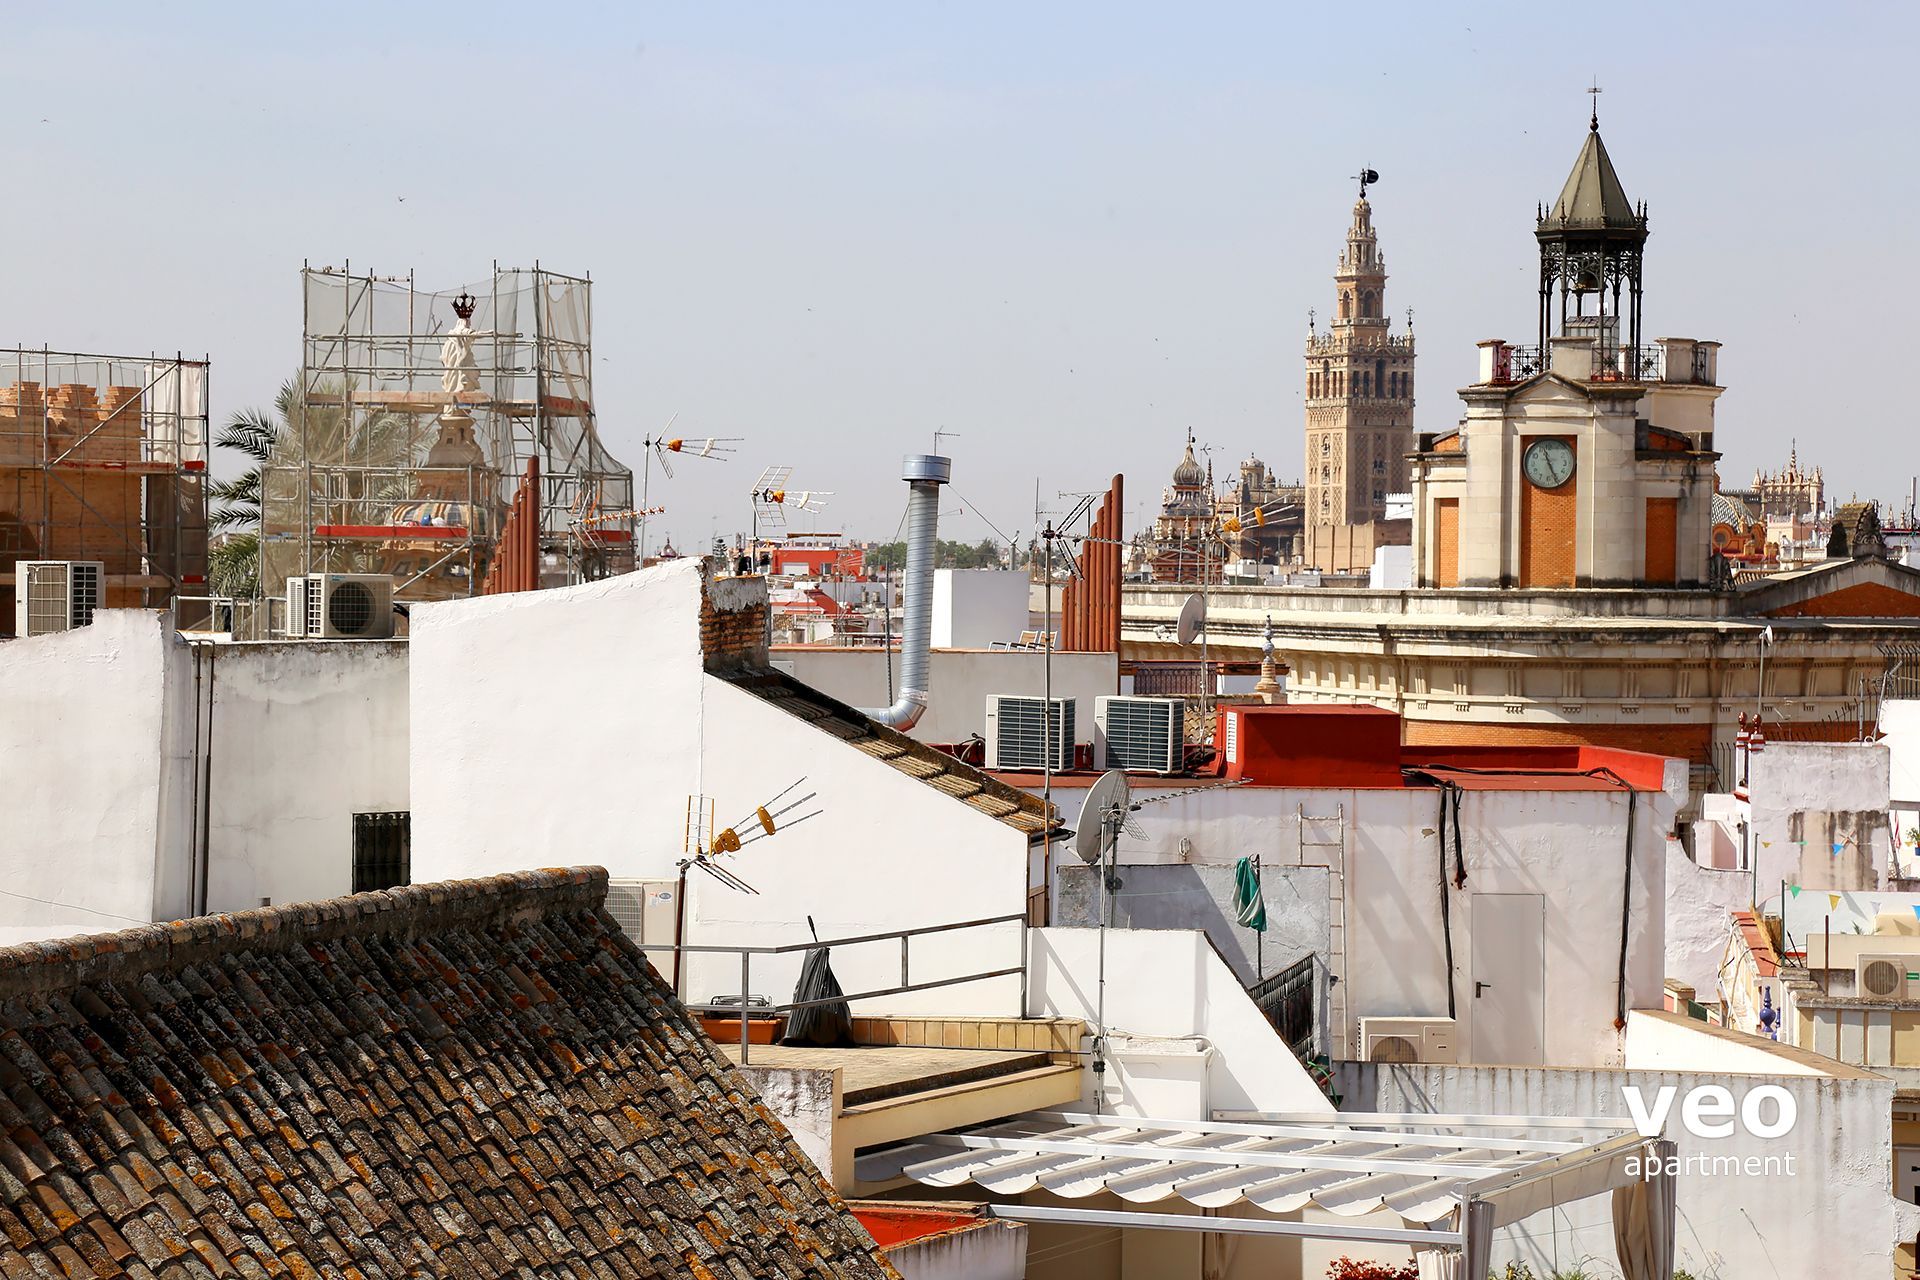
{"x": 104, "y": 458}
{"x": 414, "y": 417}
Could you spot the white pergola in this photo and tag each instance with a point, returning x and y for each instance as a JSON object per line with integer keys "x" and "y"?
{"x": 1452, "y": 1179}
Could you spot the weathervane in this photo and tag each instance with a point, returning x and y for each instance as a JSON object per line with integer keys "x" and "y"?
{"x": 1594, "y": 122}
{"x": 1364, "y": 178}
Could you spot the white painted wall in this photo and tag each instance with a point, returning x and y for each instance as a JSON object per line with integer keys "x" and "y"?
{"x": 1568, "y": 846}
{"x": 977, "y": 608}
{"x": 962, "y": 679}
{"x": 1834, "y": 1216}
{"x": 93, "y": 726}
{"x": 1168, "y": 983}
{"x": 556, "y": 728}
{"x": 1662, "y": 1041}
{"x": 1699, "y": 905}
{"x": 571, "y": 726}
{"x": 888, "y": 852}
{"x": 1804, "y": 796}
{"x": 1900, "y": 722}
{"x": 305, "y": 735}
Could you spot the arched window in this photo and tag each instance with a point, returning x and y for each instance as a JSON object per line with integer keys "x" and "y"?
{"x": 1366, "y": 385}
{"x": 1380, "y": 377}
{"x": 1346, "y": 305}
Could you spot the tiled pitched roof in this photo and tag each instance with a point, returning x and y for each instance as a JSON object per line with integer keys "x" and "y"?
{"x": 479, "y": 1078}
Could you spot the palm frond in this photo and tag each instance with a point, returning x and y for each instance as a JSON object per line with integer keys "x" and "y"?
{"x": 241, "y": 490}
{"x": 252, "y": 432}
{"x": 233, "y": 567}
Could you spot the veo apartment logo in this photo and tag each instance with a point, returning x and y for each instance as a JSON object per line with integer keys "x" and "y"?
{"x": 1709, "y": 1111}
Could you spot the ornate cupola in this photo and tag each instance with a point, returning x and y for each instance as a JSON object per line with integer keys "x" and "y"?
{"x": 1591, "y": 241}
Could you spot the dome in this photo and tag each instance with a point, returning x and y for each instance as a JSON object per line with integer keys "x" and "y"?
{"x": 1188, "y": 474}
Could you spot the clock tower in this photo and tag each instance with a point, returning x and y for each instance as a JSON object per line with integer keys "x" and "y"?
{"x": 1359, "y": 421}
{"x": 1586, "y": 460}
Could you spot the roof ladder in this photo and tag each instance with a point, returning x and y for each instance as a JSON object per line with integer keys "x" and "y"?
{"x": 1332, "y": 855}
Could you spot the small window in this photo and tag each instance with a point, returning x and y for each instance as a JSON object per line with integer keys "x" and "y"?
{"x": 382, "y": 851}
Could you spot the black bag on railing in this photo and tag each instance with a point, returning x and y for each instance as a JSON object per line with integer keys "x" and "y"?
{"x": 819, "y": 1024}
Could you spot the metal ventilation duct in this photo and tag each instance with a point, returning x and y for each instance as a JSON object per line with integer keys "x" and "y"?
{"x": 924, "y": 474}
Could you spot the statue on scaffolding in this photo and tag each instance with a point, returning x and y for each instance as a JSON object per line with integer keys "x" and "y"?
{"x": 456, "y": 354}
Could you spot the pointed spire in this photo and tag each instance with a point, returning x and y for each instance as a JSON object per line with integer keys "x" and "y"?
{"x": 1593, "y": 196}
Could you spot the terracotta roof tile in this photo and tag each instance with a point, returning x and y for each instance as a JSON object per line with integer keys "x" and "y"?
{"x": 475, "y": 1078}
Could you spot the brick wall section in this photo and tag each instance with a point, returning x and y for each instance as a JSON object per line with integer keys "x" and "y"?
{"x": 1663, "y": 519}
{"x": 733, "y": 621}
{"x": 88, "y": 515}
{"x": 1692, "y": 742}
{"x": 1549, "y": 523}
{"x": 36, "y": 427}
{"x": 1868, "y": 600}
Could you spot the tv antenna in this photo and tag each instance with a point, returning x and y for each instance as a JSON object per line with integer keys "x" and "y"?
{"x": 665, "y": 445}
{"x": 704, "y": 844}
{"x": 772, "y": 499}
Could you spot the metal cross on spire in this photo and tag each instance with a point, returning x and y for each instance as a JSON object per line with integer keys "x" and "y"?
{"x": 1594, "y": 122}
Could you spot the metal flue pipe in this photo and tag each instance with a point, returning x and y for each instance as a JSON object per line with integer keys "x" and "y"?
{"x": 924, "y": 474}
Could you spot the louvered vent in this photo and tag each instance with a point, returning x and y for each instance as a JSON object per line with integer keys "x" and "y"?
{"x": 1142, "y": 735}
{"x": 1017, "y": 737}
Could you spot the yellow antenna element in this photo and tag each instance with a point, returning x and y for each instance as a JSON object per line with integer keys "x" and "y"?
{"x": 676, "y": 445}
{"x": 1259, "y": 517}
{"x": 766, "y": 819}
{"x": 1230, "y": 525}
{"x": 727, "y": 841}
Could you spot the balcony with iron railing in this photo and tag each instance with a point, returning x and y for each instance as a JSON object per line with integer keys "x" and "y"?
{"x": 1672, "y": 361}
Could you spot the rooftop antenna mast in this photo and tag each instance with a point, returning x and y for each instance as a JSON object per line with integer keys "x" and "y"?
{"x": 666, "y": 444}
{"x": 703, "y": 844}
{"x": 1049, "y": 535}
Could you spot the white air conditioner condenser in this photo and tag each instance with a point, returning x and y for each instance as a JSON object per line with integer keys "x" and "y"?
{"x": 1017, "y": 737}
{"x": 1140, "y": 735}
{"x": 1408, "y": 1040}
{"x": 1886, "y": 977}
{"x": 349, "y": 606}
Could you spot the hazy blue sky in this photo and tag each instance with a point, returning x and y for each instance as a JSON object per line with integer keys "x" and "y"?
{"x": 1067, "y": 233}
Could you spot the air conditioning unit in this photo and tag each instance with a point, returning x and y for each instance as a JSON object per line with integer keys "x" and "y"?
{"x": 296, "y": 623}
{"x": 1408, "y": 1040}
{"x": 1141, "y": 735}
{"x": 1016, "y": 733}
{"x": 1886, "y": 977}
{"x": 646, "y": 911}
{"x": 55, "y": 595}
{"x": 349, "y": 606}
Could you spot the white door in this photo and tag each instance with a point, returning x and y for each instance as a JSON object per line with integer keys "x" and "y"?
{"x": 1509, "y": 979}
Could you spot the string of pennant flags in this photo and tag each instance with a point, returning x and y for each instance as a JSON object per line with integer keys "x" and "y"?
{"x": 1836, "y": 900}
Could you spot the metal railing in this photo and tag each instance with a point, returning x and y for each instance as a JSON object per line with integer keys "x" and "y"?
{"x": 748, "y": 1010}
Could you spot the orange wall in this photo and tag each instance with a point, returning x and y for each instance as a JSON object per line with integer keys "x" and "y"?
{"x": 1549, "y": 519}
{"x": 1446, "y": 542}
{"x": 1663, "y": 518}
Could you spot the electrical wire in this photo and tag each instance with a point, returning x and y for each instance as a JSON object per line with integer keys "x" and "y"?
{"x": 71, "y": 906}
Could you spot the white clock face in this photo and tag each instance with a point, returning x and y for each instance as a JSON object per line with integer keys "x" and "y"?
{"x": 1548, "y": 463}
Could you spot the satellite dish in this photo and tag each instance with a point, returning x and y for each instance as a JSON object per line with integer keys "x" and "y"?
{"x": 1193, "y": 619}
{"x": 1101, "y": 813}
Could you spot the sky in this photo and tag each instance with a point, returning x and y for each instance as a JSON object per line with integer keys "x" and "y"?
{"x": 1063, "y": 234}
